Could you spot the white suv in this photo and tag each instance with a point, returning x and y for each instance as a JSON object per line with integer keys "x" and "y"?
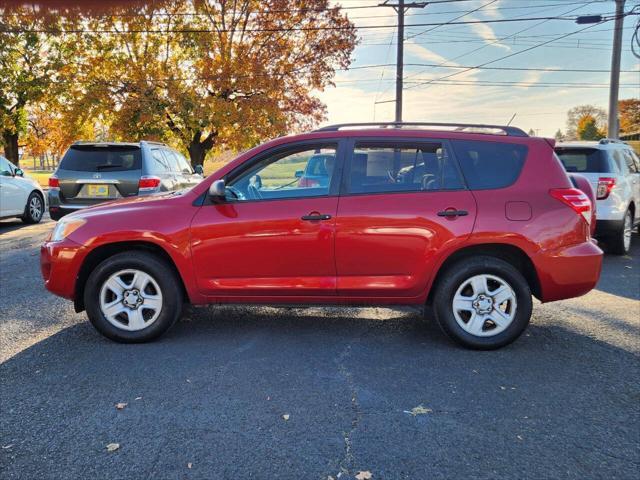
{"x": 20, "y": 196}
{"x": 613, "y": 169}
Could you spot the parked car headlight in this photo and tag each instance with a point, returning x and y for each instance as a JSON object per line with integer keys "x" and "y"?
{"x": 65, "y": 227}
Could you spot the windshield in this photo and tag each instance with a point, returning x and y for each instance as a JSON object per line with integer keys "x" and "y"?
{"x": 109, "y": 158}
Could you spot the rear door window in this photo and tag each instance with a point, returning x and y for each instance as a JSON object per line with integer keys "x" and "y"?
{"x": 584, "y": 160}
{"x": 172, "y": 158}
{"x": 630, "y": 161}
{"x": 489, "y": 165}
{"x": 159, "y": 163}
{"x": 402, "y": 167}
{"x": 183, "y": 165}
{"x": 92, "y": 158}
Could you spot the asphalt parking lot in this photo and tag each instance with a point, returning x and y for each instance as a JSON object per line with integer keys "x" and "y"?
{"x": 315, "y": 393}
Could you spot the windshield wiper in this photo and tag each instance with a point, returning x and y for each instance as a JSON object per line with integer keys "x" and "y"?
{"x": 108, "y": 165}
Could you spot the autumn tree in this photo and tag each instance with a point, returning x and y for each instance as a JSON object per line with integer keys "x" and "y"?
{"x": 559, "y": 136}
{"x": 31, "y": 64}
{"x": 588, "y": 129}
{"x": 576, "y": 114}
{"x": 629, "y": 111}
{"x": 207, "y": 74}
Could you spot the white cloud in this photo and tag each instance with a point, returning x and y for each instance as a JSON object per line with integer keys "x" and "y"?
{"x": 486, "y": 33}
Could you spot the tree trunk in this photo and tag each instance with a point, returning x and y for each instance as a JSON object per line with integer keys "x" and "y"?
{"x": 197, "y": 153}
{"x": 198, "y": 149}
{"x": 10, "y": 140}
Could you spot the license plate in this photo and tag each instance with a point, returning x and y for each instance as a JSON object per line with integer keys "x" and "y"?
{"x": 98, "y": 190}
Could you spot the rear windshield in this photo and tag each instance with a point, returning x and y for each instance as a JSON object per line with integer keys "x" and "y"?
{"x": 101, "y": 159}
{"x": 584, "y": 160}
{"x": 488, "y": 165}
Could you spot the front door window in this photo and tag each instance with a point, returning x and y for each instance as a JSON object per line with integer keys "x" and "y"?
{"x": 301, "y": 173}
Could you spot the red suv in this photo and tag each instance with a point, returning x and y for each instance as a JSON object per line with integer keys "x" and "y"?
{"x": 471, "y": 220}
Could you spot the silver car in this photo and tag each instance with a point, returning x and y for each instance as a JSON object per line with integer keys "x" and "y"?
{"x": 613, "y": 169}
{"x": 95, "y": 172}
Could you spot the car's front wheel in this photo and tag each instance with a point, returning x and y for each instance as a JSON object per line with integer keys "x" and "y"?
{"x": 133, "y": 297}
{"x": 483, "y": 303}
{"x": 34, "y": 208}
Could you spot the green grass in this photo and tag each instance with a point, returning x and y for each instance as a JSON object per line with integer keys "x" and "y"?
{"x": 281, "y": 173}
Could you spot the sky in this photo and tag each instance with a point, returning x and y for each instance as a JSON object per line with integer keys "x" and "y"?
{"x": 473, "y": 96}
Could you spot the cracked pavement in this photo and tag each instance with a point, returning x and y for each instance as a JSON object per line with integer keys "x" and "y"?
{"x": 562, "y": 402}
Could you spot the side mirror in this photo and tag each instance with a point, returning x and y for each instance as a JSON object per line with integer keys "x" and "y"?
{"x": 19, "y": 172}
{"x": 217, "y": 189}
{"x": 299, "y": 173}
{"x": 199, "y": 170}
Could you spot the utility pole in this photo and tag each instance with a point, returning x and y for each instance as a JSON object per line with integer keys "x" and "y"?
{"x": 613, "y": 130}
{"x": 401, "y": 7}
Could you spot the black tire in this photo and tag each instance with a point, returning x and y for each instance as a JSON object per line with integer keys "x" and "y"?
{"x": 55, "y": 216}
{"x": 617, "y": 243}
{"x": 34, "y": 209}
{"x": 150, "y": 264}
{"x": 456, "y": 275}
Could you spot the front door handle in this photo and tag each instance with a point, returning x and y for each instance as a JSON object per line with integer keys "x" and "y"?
{"x": 314, "y": 217}
{"x": 453, "y": 213}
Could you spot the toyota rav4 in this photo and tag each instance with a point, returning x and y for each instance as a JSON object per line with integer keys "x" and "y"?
{"x": 470, "y": 220}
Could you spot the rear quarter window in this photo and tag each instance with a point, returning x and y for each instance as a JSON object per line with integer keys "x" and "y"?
{"x": 101, "y": 159}
{"x": 489, "y": 165}
{"x": 584, "y": 160}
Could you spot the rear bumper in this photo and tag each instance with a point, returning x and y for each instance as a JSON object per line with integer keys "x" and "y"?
{"x": 60, "y": 264}
{"x": 568, "y": 272}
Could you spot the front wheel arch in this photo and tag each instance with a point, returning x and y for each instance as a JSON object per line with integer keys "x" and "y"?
{"x": 101, "y": 253}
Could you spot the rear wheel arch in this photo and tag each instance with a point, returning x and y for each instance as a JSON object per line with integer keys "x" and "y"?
{"x": 101, "y": 253}
{"x": 503, "y": 251}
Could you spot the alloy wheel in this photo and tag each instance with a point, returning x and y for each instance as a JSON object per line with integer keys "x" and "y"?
{"x": 35, "y": 208}
{"x": 131, "y": 300}
{"x": 484, "y": 305}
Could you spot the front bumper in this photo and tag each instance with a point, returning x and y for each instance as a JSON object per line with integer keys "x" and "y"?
{"x": 60, "y": 264}
{"x": 569, "y": 271}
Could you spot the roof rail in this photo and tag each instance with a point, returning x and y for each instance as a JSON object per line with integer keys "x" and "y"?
{"x": 510, "y": 131}
{"x": 604, "y": 141}
{"x": 153, "y": 142}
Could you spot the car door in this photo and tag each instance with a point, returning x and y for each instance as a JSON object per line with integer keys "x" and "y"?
{"x": 12, "y": 196}
{"x": 270, "y": 237}
{"x": 402, "y": 202}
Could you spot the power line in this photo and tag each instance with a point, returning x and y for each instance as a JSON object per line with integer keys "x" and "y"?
{"x": 450, "y": 22}
{"x": 518, "y": 69}
{"x": 514, "y": 34}
{"x": 291, "y": 29}
{"x": 510, "y": 55}
{"x": 522, "y": 31}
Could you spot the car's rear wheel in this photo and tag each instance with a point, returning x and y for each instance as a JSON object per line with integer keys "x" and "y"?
{"x": 620, "y": 243}
{"x": 34, "y": 208}
{"x": 133, "y": 297}
{"x": 483, "y": 303}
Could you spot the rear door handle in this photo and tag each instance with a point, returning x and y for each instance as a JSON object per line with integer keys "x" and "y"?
{"x": 315, "y": 217}
{"x": 453, "y": 213}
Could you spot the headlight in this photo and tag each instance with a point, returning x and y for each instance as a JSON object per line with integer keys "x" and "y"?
{"x": 65, "y": 227}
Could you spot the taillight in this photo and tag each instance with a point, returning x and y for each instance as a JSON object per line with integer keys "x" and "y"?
{"x": 605, "y": 185}
{"x": 576, "y": 199}
{"x": 54, "y": 182}
{"x": 148, "y": 183}
{"x": 306, "y": 182}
